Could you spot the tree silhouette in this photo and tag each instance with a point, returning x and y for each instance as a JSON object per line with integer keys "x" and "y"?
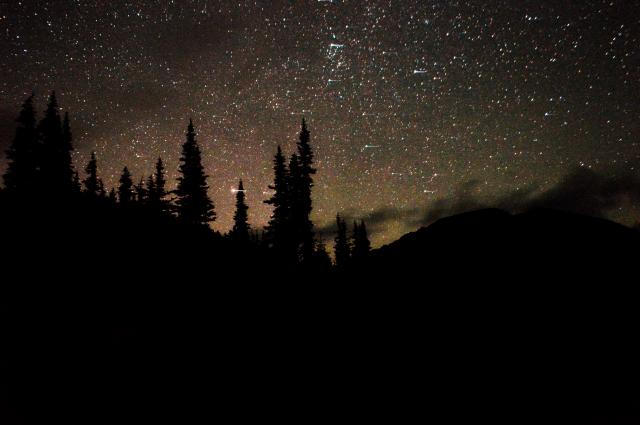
{"x": 296, "y": 215}
{"x": 102, "y": 191}
{"x": 342, "y": 247}
{"x": 304, "y": 185}
{"x": 76, "y": 184}
{"x": 277, "y": 231}
{"x": 140, "y": 191}
{"x": 156, "y": 188}
{"x": 194, "y": 204}
{"x": 321, "y": 259}
{"x": 361, "y": 244}
{"x": 55, "y": 159}
{"x": 92, "y": 182}
{"x": 241, "y": 228}
{"x": 150, "y": 190}
{"x": 22, "y": 171}
{"x": 125, "y": 190}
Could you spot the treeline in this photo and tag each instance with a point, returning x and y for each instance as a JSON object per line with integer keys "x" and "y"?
{"x": 41, "y": 170}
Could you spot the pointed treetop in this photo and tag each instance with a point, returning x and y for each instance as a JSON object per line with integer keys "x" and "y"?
{"x": 304, "y": 132}
{"x": 53, "y": 101}
{"x": 29, "y": 99}
{"x": 27, "y": 115}
{"x": 194, "y": 204}
{"x": 240, "y": 231}
{"x": 124, "y": 190}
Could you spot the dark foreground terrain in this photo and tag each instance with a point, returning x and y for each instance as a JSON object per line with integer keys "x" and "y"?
{"x": 110, "y": 317}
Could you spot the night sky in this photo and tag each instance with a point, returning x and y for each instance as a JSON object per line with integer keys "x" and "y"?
{"x": 408, "y": 102}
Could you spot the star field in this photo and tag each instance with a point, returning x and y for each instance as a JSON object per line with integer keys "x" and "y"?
{"x": 407, "y": 101}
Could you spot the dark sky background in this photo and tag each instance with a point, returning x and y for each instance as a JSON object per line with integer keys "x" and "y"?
{"x": 417, "y": 108}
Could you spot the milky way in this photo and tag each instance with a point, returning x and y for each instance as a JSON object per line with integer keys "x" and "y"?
{"x": 407, "y": 101}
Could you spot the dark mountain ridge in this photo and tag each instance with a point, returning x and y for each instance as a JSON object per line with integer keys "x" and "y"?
{"x": 510, "y": 246}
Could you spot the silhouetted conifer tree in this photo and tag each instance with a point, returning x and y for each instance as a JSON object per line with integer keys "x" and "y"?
{"x": 342, "y": 247}
{"x": 354, "y": 236}
{"x": 361, "y": 244}
{"x": 321, "y": 259}
{"x": 277, "y": 232}
{"x": 102, "y": 191}
{"x": 241, "y": 228}
{"x": 296, "y": 220}
{"x": 140, "y": 191}
{"x": 55, "y": 160}
{"x": 194, "y": 204}
{"x": 125, "y": 190}
{"x": 156, "y": 188}
{"x": 151, "y": 189}
{"x": 22, "y": 171}
{"x": 112, "y": 196}
{"x": 160, "y": 181}
{"x": 304, "y": 186}
{"x": 92, "y": 182}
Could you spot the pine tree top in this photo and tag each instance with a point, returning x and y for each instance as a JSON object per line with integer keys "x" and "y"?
{"x": 53, "y": 102}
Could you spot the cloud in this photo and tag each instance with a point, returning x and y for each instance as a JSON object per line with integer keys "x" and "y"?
{"x": 581, "y": 191}
{"x": 587, "y": 192}
{"x": 375, "y": 220}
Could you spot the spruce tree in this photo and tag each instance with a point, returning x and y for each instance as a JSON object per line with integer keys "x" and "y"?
{"x": 296, "y": 214}
{"x": 361, "y": 244}
{"x": 22, "y": 171}
{"x": 303, "y": 196}
{"x": 277, "y": 231}
{"x": 91, "y": 182}
{"x": 151, "y": 190}
{"x": 102, "y": 191}
{"x": 321, "y": 258}
{"x": 160, "y": 181}
{"x": 341, "y": 246}
{"x": 76, "y": 185}
{"x": 354, "y": 237}
{"x": 194, "y": 204}
{"x": 140, "y": 192}
{"x": 55, "y": 158}
{"x": 241, "y": 228}
{"x": 156, "y": 188}
{"x": 125, "y": 190}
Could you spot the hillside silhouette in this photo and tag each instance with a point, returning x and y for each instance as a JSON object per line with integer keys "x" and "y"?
{"x": 124, "y": 306}
{"x": 499, "y": 246}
